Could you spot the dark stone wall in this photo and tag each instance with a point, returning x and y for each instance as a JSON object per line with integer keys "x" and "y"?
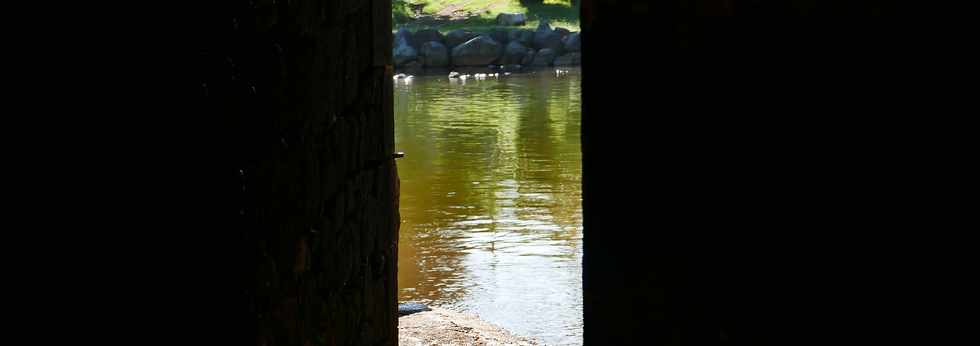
{"x": 302, "y": 90}
{"x": 729, "y": 189}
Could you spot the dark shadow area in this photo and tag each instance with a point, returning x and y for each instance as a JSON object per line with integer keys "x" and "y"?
{"x": 766, "y": 177}
{"x": 755, "y": 170}
{"x": 539, "y": 10}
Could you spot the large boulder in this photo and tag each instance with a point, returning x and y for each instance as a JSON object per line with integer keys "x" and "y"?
{"x": 511, "y": 19}
{"x": 573, "y": 43}
{"x": 569, "y": 59}
{"x": 403, "y": 51}
{"x": 528, "y": 57}
{"x": 500, "y": 35}
{"x": 515, "y": 53}
{"x": 543, "y": 25}
{"x": 403, "y": 34}
{"x": 544, "y": 38}
{"x": 457, "y": 37}
{"x": 562, "y": 32}
{"x": 544, "y": 57}
{"x": 434, "y": 54}
{"x": 479, "y": 51}
{"x": 427, "y": 35}
{"x": 524, "y": 36}
{"x": 548, "y": 40}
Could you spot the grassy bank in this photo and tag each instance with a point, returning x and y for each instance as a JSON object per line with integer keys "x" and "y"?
{"x": 480, "y": 15}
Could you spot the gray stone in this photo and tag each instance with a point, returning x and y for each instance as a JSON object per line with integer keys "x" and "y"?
{"x": 548, "y": 40}
{"x": 544, "y": 37}
{"x": 457, "y": 37}
{"x": 528, "y": 57}
{"x": 524, "y": 36}
{"x": 403, "y": 51}
{"x": 500, "y": 35}
{"x": 404, "y": 34}
{"x": 573, "y": 43}
{"x": 569, "y": 59}
{"x": 562, "y": 32}
{"x": 434, "y": 54}
{"x": 511, "y": 19}
{"x": 544, "y": 24}
{"x": 514, "y": 53}
{"x": 543, "y": 57}
{"x": 411, "y": 308}
{"x": 428, "y": 35}
{"x": 479, "y": 51}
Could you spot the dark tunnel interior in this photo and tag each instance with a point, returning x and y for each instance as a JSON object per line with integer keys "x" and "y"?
{"x": 747, "y": 134}
{"x": 734, "y": 166}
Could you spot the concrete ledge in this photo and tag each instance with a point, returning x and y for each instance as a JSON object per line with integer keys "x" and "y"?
{"x": 444, "y": 327}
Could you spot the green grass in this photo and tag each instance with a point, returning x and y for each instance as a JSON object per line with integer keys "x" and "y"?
{"x": 478, "y": 6}
{"x": 482, "y": 14}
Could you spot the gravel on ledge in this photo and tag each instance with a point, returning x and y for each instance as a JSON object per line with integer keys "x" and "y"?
{"x": 444, "y": 327}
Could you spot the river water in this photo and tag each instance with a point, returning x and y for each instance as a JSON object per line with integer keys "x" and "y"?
{"x": 491, "y": 201}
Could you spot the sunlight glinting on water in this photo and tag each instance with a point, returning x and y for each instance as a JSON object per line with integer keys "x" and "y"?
{"x": 491, "y": 199}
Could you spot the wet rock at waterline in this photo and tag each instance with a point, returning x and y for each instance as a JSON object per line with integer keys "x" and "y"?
{"x": 511, "y": 19}
{"x": 513, "y": 67}
{"x": 429, "y": 49}
{"x": 403, "y": 52}
{"x": 569, "y": 59}
{"x": 411, "y": 308}
{"x": 479, "y": 51}
{"x": 434, "y": 54}
{"x": 515, "y": 53}
{"x": 412, "y": 66}
{"x": 543, "y": 57}
{"x": 458, "y": 37}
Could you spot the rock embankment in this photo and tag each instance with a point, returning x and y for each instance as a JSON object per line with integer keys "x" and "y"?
{"x": 545, "y": 46}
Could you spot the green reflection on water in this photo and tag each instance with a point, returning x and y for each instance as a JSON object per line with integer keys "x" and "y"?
{"x": 491, "y": 199}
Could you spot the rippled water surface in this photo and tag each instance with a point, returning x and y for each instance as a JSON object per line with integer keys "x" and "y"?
{"x": 491, "y": 201}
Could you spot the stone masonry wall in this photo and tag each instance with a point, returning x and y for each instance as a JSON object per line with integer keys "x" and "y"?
{"x": 304, "y": 89}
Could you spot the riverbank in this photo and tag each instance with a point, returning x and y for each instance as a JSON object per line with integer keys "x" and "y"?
{"x": 545, "y": 46}
{"x": 445, "y": 327}
{"x": 501, "y": 71}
